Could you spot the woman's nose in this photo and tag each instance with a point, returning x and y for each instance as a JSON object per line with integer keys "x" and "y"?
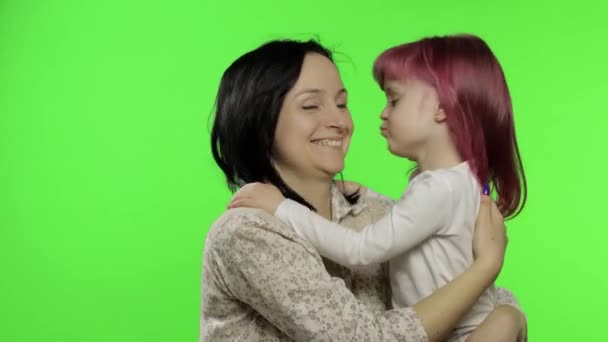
{"x": 339, "y": 123}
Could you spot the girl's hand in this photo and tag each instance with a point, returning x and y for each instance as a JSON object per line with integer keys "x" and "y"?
{"x": 257, "y": 195}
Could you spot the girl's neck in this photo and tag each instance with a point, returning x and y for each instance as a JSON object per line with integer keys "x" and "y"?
{"x": 441, "y": 155}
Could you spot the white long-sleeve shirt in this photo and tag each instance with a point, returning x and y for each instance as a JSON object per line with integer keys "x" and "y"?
{"x": 426, "y": 237}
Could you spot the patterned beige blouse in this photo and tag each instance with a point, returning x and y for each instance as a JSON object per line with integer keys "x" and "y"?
{"x": 262, "y": 282}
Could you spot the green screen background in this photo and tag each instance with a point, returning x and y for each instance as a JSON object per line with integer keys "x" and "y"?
{"x": 107, "y": 185}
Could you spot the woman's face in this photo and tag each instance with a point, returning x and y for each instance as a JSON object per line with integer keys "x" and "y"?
{"x": 314, "y": 127}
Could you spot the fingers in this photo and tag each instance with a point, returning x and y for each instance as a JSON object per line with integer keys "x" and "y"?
{"x": 248, "y": 187}
{"x": 485, "y": 205}
{"x": 488, "y": 207}
{"x": 240, "y": 202}
{"x": 484, "y": 216}
{"x": 242, "y": 198}
{"x": 496, "y": 214}
{"x": 247, "y": 191}
{"x": 486, "y": 200}
{"x": 240, "y": 194}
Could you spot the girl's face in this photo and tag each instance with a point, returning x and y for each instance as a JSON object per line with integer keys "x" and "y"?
{"x": 314, "y": 127}
{"x": 410, "y": 116}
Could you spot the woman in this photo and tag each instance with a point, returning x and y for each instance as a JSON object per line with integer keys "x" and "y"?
{"x": 282, "y": 117}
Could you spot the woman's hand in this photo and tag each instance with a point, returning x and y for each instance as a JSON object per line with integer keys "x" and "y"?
{"x": 257, "y": 195}
{"x": 490, "y": 239}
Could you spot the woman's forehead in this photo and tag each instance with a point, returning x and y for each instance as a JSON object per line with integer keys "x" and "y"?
{"x": 320, "y": 75}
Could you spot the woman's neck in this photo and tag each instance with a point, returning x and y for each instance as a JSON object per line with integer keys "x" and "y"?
{"x": 315, "y": 192}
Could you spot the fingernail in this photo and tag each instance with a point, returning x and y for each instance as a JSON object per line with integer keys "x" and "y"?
{"x": 486, "y": 189}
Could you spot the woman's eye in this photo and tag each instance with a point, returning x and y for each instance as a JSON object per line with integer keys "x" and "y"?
{"x": 342, "y": 106}
{"x": 311, "y": 107}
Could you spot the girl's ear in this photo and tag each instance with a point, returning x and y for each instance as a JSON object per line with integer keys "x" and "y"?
{"x": 440, "y": 115}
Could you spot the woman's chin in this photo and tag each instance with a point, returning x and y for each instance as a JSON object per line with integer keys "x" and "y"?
{"x": 332, "y": 169}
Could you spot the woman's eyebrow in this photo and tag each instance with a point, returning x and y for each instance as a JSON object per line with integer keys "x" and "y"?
{"x": 318, "y": 91}
{"x": 309, "y": 90}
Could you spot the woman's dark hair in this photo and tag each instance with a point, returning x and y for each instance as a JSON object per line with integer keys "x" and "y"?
{"x": 248, "y": 103}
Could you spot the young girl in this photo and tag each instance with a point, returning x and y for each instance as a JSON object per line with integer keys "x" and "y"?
{"x": 448, "y": 110}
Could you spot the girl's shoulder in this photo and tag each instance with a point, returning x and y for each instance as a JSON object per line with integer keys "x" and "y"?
{"x": 453, "y": 179}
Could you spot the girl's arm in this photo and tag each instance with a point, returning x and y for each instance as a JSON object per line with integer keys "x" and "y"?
{"x": 418, "y": 214}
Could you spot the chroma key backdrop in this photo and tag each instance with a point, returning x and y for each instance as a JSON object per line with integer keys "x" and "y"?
{"x": 108, "y": 188}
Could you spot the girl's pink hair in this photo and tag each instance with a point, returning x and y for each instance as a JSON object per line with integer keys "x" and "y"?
{"x": 474, "y": 95}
